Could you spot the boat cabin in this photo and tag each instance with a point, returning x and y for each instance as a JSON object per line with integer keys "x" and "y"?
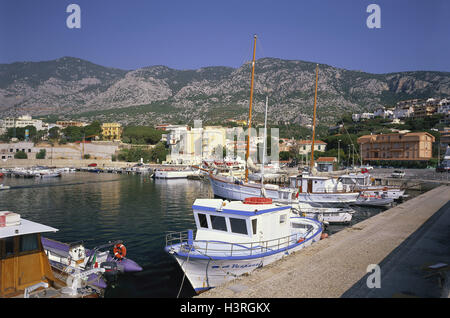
{"x": 313, "y": 184}
{"x": 355, "y": 179}
{"x": 240, "y": 222}
{"x": 23, "y": 262}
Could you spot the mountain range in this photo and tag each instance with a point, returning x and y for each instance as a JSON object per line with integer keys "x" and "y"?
{"x": 72, "y": 88}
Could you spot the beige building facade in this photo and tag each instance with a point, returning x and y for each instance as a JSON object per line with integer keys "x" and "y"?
{"x": 406, "y": 146}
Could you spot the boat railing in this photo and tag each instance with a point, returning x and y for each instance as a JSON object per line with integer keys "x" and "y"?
{"x": 219, "y": 248}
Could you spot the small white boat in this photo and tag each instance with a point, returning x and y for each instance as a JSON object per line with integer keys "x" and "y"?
{"x": 4, "y": 187}
{"x": 331, "y": 215}
{"x": 363, "y": 182}
{"x": 374, "y": 200}
{"x": 234, "y": 238}
{"x": 174, "y": 174}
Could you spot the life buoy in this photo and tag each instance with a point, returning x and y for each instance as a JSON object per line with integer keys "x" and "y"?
{"x": 300, "y": 240}
{"x": 120, "y": 251}
{"x": 257, "y": 200}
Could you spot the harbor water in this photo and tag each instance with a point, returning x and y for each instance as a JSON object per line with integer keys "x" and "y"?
{"x": 97, "y": 208}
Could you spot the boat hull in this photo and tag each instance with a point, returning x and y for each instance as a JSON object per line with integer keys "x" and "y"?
{"x": 209, "y": 272}
{"x": 172, "y": 174}
{"x": 235, "y": 191}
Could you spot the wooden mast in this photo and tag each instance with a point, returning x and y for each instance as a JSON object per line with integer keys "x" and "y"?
{"x": 314, "y": 121}
{"x": 250, "y": 112}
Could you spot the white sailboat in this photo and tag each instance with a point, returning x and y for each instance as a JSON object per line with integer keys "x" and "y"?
{"x": 316, "y": 189}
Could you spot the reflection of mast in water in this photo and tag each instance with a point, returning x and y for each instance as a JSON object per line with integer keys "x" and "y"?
{"x": 110, "y": 196}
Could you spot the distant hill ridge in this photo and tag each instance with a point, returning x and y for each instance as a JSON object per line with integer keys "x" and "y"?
{"x": 74, "y": 88}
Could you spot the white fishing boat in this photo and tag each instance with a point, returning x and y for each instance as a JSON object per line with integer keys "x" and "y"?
{"x": 331, "y": 215}
{"x": 4, "y": 187}
{"x": 173, "y": 173}
{"x": 363, "y": 182}
{"x": 234, "y": 238}
{"x": 316, "y": 189}
{"x": 377, "y": 200}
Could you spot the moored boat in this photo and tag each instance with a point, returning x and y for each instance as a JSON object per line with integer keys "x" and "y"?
{"x": 363, "y": 182}
{"x": 331, "y": 215}
{"x": 25, "y": 270}
{"x": 374, "y": 200}
{"x": 174, "y": 174}
{"x": 68, "y": 258}
{"x": 234, "y": 238}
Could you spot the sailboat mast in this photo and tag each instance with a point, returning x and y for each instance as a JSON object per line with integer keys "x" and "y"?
{"x": 250, "y": 111}
{"x": 314, "y": 121}
{"x": 264, "y": 148}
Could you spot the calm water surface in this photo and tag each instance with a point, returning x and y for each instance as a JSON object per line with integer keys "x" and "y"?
{"x": 96, "y": 208}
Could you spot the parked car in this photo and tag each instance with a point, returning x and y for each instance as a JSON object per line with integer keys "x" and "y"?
{"x": 398, "y": 174}
{"x": 443, "y": 168}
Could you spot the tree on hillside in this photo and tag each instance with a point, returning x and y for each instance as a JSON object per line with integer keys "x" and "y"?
{"x": 141, "y": 135}
{"x": 54, "y": 133}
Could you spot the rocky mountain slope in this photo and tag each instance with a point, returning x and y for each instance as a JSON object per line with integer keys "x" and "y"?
{"x": 73, "y": 88}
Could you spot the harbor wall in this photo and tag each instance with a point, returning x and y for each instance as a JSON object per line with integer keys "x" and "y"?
{"x": 331, "y": 267}
{"x": 61, "y": 163}
{"x": 77, "y": 163}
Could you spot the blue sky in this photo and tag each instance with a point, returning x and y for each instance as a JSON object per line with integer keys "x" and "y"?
{"x": 189, "y": 34}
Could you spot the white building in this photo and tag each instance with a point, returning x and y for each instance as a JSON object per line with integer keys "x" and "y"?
{"x": 367, "y": 116}
{"x": 21, "y": 122}
{"x": 403, "y": 112}
{"x": 192, "y": 145}
{"x": 380, "y": 112}
{"x": 444, "y": 106}
{"x": 356, "y": 117}
{"x": 7, "y": 150}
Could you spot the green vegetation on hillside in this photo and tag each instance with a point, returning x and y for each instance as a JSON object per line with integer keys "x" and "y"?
{"x": 141, "y": 135}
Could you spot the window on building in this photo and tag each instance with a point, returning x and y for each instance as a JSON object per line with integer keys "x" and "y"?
{"x": 238, "y": 226}
{"x": 218, "y": 223}
{"x": 202, "y": 220}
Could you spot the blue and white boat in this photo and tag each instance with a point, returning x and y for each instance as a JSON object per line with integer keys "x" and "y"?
{"x": 234, "y": 238}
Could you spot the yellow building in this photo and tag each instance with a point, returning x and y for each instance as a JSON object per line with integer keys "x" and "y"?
{"x": 112, "y": 131}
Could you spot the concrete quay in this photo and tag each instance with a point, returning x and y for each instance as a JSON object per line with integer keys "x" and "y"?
{"x": 403, "y": 241}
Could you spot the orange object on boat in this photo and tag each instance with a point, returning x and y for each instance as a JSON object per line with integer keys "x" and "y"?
{"x": 120, "y": 251}
{"x": 256, "y": 200}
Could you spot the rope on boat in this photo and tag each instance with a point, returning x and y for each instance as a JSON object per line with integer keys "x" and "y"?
{"x": 184, "y": 272}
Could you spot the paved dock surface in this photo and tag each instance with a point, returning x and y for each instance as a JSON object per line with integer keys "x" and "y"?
{"x": 403, "y": 241}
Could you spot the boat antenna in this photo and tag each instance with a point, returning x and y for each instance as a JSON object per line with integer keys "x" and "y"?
{"x": 314, "y": 121}
{"x": 250, "y": 111}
